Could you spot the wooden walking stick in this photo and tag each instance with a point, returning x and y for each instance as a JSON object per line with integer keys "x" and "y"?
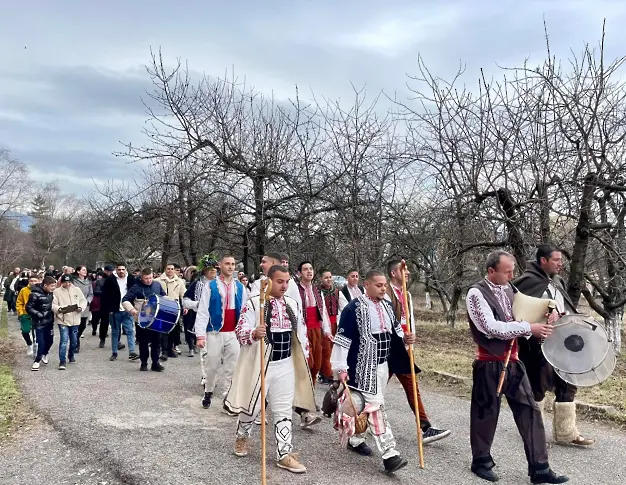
{"x": 266, "y": 287}
{"x": 409, "y": 318}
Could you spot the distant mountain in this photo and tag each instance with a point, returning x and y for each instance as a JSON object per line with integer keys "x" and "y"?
{"x": 23, "y": 221}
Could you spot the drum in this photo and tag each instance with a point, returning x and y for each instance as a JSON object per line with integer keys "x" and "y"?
{"x": 579, "y": 351}
{"x": 159, "y": 314}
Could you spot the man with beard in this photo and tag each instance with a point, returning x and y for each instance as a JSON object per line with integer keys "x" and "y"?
{"x": 493, "y": 328}
{"x": 541, "y": 280}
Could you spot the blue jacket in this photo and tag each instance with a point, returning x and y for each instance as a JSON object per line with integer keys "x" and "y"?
{"x": 142, "y": 291}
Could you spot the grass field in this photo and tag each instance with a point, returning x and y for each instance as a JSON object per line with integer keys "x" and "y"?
{"x": 452, "y": 350}
{"x": 9, "y": 393}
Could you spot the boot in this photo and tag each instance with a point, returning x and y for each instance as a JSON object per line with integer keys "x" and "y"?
{"x": 564, "y": 430}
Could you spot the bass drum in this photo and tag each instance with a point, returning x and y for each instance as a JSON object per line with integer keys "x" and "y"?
{"x": 579, "y": 351}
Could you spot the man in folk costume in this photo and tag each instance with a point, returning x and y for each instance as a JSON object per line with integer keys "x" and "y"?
{"x": 288, "y": 381}
{"x": 208, "y": 271}
{"x": 541, "y": 280}
{"x": 396, "y": 297}
{"x": 368, "y": 346}
{"x": 218, "y": 312}
{"x": 490, "y": 312}
{"x": 330, "y": 293}
{"x": 315, "y": 316}
{"x": 351, "y": 290}
{"x": 267, "y": 261}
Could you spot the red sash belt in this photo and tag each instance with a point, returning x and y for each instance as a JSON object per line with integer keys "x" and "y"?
{"x": 229, "y": 321}
{"x": 483, "y": 354}
{"x": 312, "y": 318}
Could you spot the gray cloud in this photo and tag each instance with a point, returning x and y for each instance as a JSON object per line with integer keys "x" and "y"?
{"x": 73, "y": 76}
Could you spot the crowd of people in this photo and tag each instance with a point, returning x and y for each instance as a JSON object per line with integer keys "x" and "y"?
{"x": 313, "y": 332}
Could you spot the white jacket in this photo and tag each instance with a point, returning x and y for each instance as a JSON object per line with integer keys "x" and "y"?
{"x": 62, "y": 297}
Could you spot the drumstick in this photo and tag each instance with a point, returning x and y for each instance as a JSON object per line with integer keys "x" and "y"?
{"x": 266, "y": 286}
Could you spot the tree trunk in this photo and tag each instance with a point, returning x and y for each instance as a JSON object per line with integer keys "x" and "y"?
{"x": 454, "y": 305}
{"x": 579, "y": 254}
{"x": 514, "y": 234}
{"x": 613, "y": 326}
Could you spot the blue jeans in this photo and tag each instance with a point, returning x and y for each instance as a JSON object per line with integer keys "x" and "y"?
{"x": 117, "y": 321}
{"x": 44, "y": 337}
{"x": 67, "y": 334}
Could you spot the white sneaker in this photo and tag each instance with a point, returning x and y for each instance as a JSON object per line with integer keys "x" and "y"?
{"x": 44, "y": 359}
{"x": 30, "y": 350}
{"x": 35, "y": 366}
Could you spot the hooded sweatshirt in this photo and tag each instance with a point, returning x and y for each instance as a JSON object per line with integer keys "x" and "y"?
{"x": 62, "y": 297}
{"x": 87, "y": 288}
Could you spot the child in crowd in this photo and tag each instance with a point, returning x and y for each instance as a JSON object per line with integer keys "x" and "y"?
{"x": 39, "y": 307}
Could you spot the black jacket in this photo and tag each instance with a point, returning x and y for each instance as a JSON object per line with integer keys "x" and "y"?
{"x": 39, "y": 307}
{"x": 111, "y": 298}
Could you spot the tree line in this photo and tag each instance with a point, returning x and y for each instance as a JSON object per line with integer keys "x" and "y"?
{"x": 440, "y": 177}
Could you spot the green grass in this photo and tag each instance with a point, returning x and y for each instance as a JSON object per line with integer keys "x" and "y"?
{"x": 9, "y": 392}
{"x": 451, "y": 350}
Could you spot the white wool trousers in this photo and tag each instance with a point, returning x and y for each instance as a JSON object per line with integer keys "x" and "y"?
{"x": 385, "y": 441}
{"x": 280, "y": 390}
{"x": 218, "y": 346}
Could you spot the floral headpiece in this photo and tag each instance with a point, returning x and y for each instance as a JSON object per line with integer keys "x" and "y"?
{"x": 208, "y": 261}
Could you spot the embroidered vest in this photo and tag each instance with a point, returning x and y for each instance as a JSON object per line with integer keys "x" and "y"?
{"x": 347, "y": 294}
{"x": 216, "y": 306}
{"x": 318, "y": 301}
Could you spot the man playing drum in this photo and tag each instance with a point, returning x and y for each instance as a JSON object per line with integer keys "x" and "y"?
{"x": 491, "y": 321}
{"x": 541, "y": 280}
{"x": 149, "y": 340}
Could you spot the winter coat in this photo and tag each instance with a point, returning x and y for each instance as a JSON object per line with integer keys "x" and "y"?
{"x": 87, "y": 289}
{"x": 22, "y": 299}
{"x": 39, "y": 307}
{"x": 111, "y": 299}
{"x": 62, "y": 297}
{"x": 8, "y": 293}
{"x": 174, "y": 288}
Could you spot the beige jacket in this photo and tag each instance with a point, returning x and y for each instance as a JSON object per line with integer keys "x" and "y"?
{"x": 62, "y": 297}
{"x": 174, "y": 288}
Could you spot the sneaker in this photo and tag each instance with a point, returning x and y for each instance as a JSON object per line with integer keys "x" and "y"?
{"x": 227, "y": 410}
{"x": 29, "y": 351}
{"x": 433, "y": 434}
{"x": 190, "y": 354}
{"x": 309, "y": 419}
{"x": 121, "y": 346}
{"x": 143, "y": 367}
{"x": 44, "y": 359}
{"x": 394, "y": 463}
{"x": 157, "y": 367}
{"x": 113, "y": 357}
{"x": 206, "y": 400}
{"x": 133, "y": 356}
{"x": 202, "y": 381}
{"x": 163, "y": 358}
{"x": 361, "y": 449}
{"x": 177, "y": 350}
{"x": 101, "y": 344}
{"x": 291, "y": 463}
{"x": 172, "y": 355}
{"x": 35, "y": 366}
{"x": 82, "y": 336}
{"x": 62, "y": 366}
{"x": 241, "y": 446}
{"x": 72, "y": 360}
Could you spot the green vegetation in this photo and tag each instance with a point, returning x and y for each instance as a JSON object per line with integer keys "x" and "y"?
{"x": 9, "y": 392}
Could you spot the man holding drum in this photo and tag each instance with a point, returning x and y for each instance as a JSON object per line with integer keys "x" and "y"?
{"x": 541, "y": 280}
{"x": 149, "y": 340}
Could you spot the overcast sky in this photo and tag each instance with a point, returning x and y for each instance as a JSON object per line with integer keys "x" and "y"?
{"x": 72, "y": 72}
